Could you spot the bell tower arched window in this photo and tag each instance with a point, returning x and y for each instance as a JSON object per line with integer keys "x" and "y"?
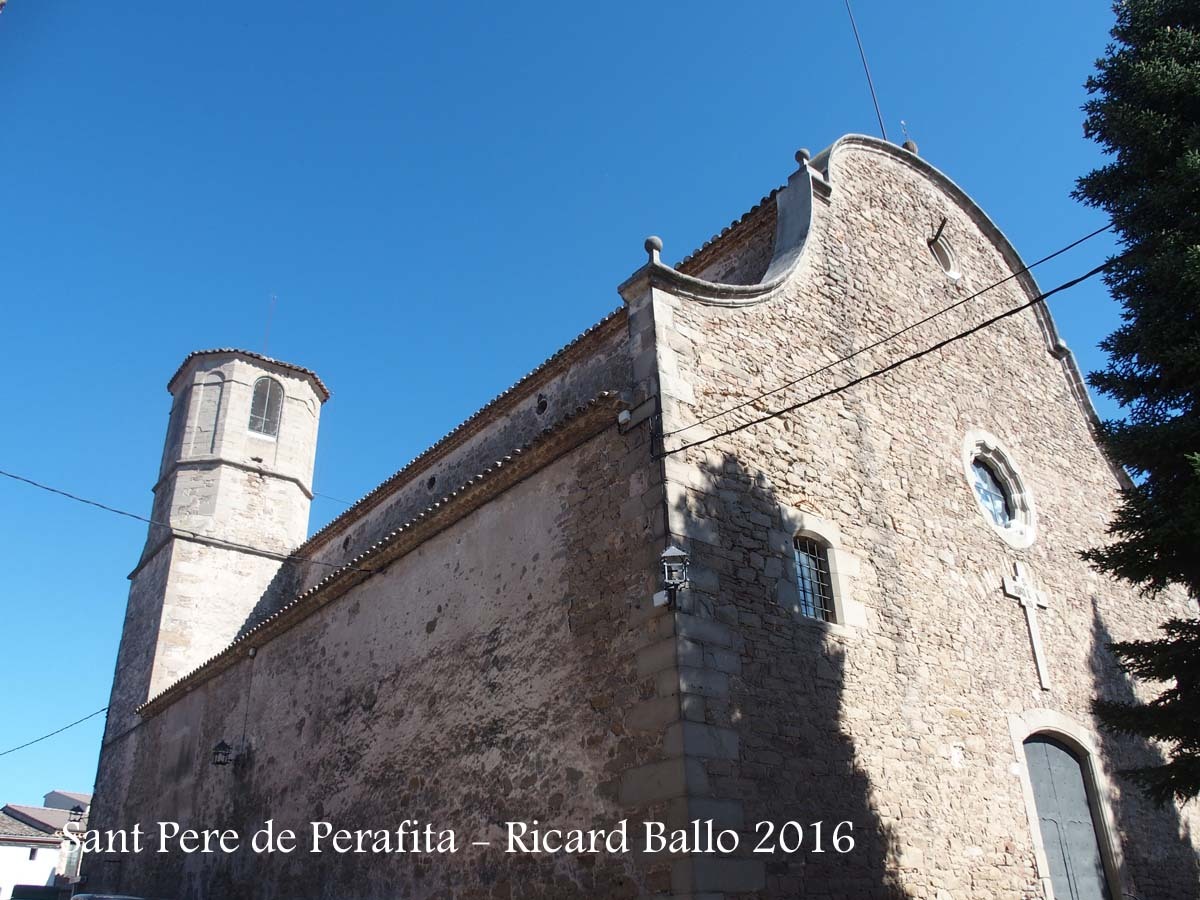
{"x": 266, "y": 407}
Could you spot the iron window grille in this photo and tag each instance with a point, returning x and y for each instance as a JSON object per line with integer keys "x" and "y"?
{"x": 813, "y": 582}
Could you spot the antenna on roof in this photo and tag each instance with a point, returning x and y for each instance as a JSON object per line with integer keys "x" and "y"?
{"x": 270, "y": 315}
{"x": 867, "y": 69}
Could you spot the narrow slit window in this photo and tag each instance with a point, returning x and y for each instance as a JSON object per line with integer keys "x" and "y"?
{"x": 813, "y": 582}
{"x": 266, "y": 406}
{"x": 944, "y": 254}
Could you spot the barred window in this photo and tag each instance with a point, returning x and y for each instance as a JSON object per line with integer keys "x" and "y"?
{"x": 813, "y": 582}
{"x": 266, "y": 406}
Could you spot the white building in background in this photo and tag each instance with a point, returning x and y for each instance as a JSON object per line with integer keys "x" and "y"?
{"x": 28, "y": 855}
{"x": 68, "y": 800}
{"x": 33, "y": 849}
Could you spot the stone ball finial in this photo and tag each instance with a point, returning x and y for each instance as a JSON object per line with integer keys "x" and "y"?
{"x": 911, "y": 146}
{"x": 653, "y": 244}
{"x": 803, "y": 156}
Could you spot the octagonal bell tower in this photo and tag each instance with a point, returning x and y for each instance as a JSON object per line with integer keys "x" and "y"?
{"x": 231, "y": 501}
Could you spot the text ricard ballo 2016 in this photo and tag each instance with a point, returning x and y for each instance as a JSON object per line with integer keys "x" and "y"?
{"x": 413, "y": 836}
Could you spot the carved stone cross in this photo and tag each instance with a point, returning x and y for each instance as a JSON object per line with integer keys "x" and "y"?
{"x": 1019, "y": 587}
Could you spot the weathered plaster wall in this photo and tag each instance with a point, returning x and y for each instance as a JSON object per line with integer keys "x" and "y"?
{"x": 901, "y": 725}
{"x": 488, "y": 675}
{"x": 17, "y": 868}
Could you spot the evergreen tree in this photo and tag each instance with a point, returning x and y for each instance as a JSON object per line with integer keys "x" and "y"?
{"x": 1144, "y": 111}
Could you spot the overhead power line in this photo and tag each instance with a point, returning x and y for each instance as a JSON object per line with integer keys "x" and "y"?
{"x": 890, "y": 337}
{"x": 333, "y": 498}
{"x": 776, "y": 414}
{"x": 53, "y": 733}
{"x": 891, "y": 366}
{"x": 867, "y": 69}
{"x": 198, "y": 535}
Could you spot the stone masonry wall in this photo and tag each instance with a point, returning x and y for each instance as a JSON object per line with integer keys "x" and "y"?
{"x": 900, "y": 724}
{"x": 512, "y": 667}
{"x": 496, "y": 672}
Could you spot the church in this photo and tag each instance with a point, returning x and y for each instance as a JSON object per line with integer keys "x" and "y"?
{"x": 706, "y": 569}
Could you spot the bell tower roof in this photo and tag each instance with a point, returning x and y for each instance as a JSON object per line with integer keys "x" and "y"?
{"x": 319, "y": 386}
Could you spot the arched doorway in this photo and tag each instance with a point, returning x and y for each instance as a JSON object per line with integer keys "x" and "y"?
{"x": 1066, "y": 820}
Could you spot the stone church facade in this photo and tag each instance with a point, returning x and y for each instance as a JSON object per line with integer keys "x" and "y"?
{"x": 885, "y": 620}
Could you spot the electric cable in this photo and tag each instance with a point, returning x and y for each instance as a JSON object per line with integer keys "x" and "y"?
{"x": 197, "y": 535}
{"x": 333, "y": 498}
{"x": 867, "y": 69}
{"x": 891, "y": 366}
{"x": 773, "y": 415}
{"x": 890, "y": 337}
{"x": 53, "y": 733}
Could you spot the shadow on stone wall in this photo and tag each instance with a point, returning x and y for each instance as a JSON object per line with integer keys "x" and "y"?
{"x": 282, "y": 590}
{"x": 1159, "y": 857}
{"x": 462, "y": 719}
{"x": 796, "y": 759}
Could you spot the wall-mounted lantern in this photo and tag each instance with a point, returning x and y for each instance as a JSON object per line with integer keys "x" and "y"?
{"x": 222, "y": 754}
{"x": 674, "y": 576}
{"x": 75, "y": 814}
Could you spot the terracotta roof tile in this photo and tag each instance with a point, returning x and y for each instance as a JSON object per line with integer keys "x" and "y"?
{"x": 250, "y": 353}
{"x": 11, "y": 827}
{"x": 368, "y": 499}
{"x": 46, "y": 818}
{"x": 306, "y": 601}
{"x": 685, "y": 264}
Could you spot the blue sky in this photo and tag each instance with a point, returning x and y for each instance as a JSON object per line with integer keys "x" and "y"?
{"x": 440, "y": 195}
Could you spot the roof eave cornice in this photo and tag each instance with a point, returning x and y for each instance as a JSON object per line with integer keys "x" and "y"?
{"x": 494, "y": 409}
{"x": 314, "y": 379}
{"x": 566, "y": 434}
